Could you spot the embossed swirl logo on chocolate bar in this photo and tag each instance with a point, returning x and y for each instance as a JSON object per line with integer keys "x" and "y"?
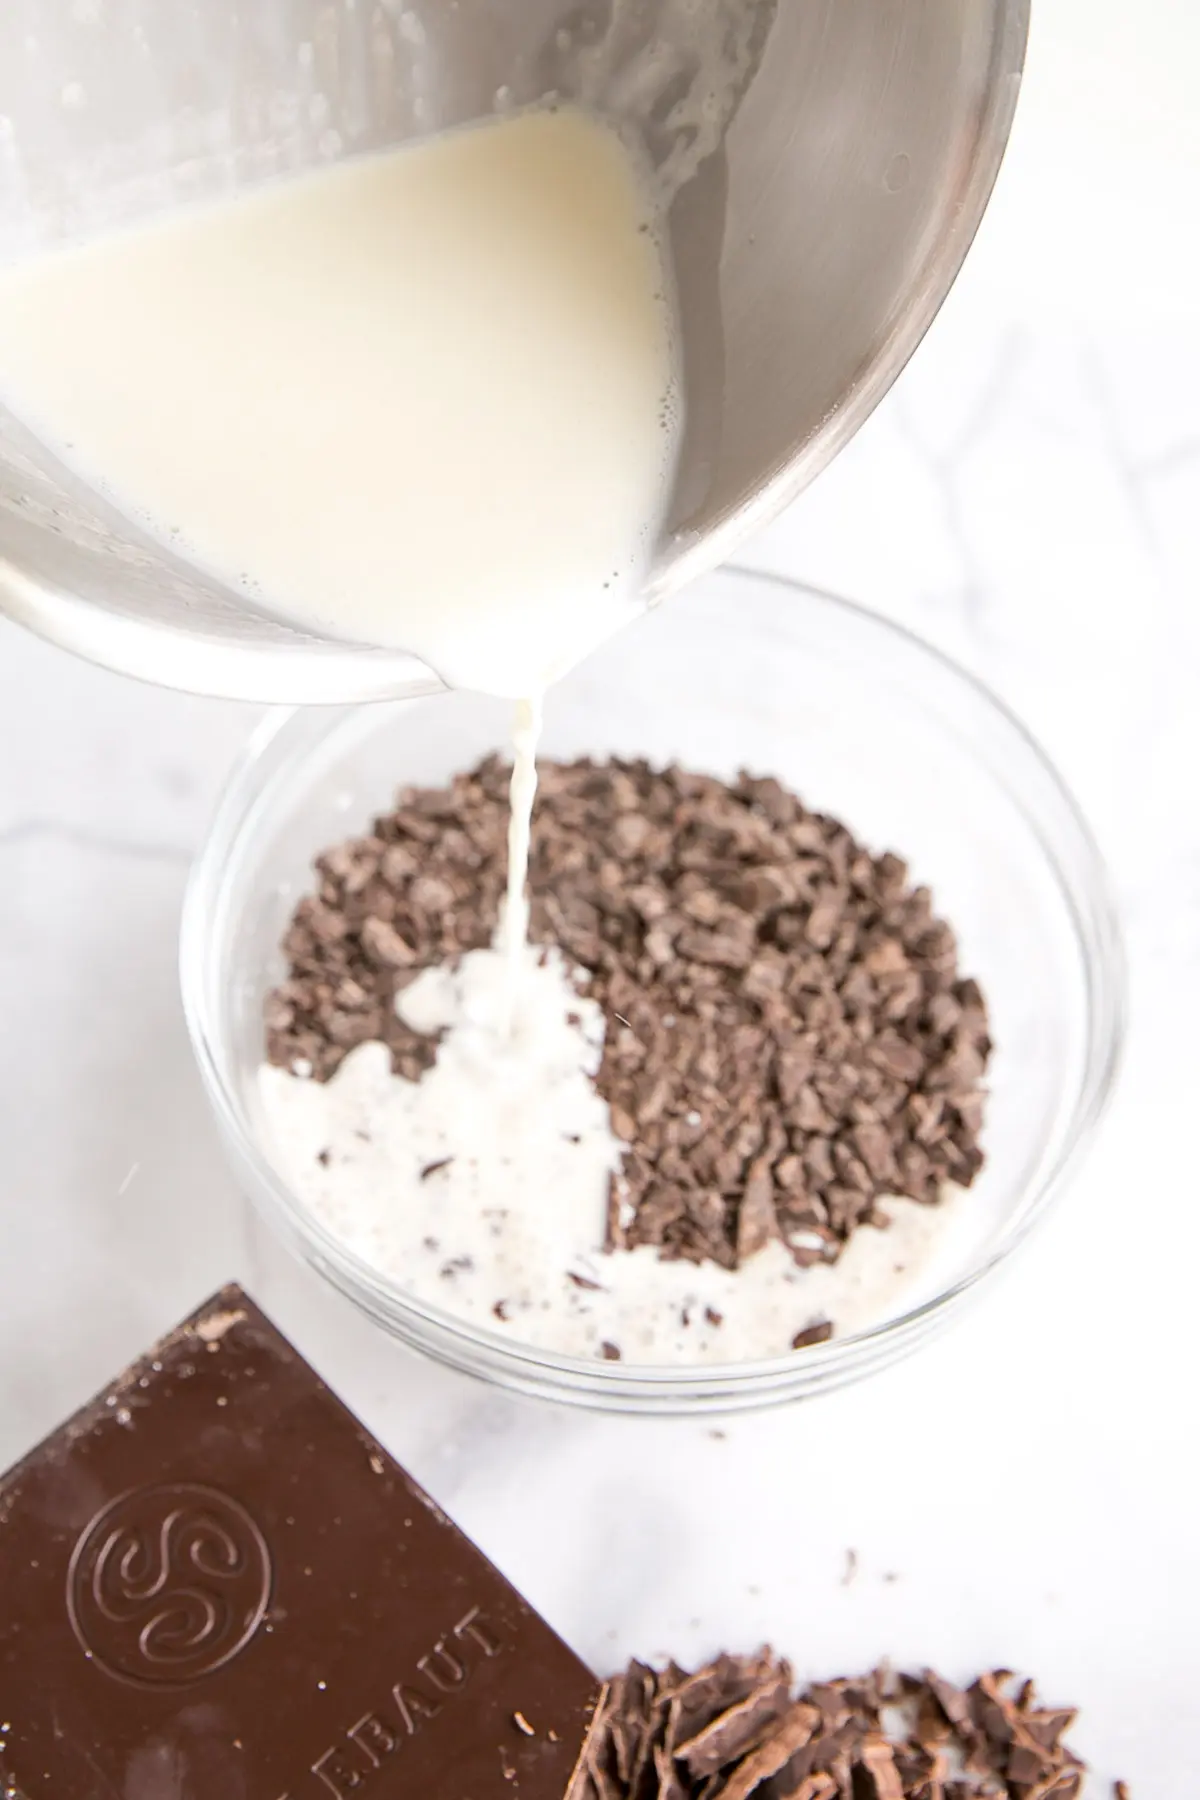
{"x": 167, "y": 1584}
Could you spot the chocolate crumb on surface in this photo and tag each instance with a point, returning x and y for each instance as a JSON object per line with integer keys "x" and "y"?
{"x": 735, "y": 1730}
{"x": 789, "y": 1041}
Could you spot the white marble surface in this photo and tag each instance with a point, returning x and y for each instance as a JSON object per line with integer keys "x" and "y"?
{"x": 1025, "y": 1491}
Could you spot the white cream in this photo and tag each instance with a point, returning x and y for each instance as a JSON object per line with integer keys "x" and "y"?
{"x": 482, "y": 1189}
{"x": 423, "y": 400}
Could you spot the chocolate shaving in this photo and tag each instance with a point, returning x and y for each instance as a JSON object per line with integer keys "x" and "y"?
{"x": 732, "y": 1731}
{"x": 820, "y": 1333}
{"x": 878, "y": 1761}
{"x": 792, "y": 1733}
{"x": 737, "y": 1730}
{"x": 813, "y": 1787}
{"x": 789, "y": 1039}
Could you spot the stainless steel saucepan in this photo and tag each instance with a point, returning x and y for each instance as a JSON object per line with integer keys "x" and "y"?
{"x": 823, "y": 165}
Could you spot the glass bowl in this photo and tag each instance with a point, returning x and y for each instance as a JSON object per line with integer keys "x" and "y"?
{"x": 865, "y": 722}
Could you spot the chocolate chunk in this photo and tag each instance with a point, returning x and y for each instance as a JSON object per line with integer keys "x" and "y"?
{"x": 384, "y": 945}
{"x": 756, "y": 1224}
{"x": 812, "y": 1787}
{"x": 820, "y": 1333}
{"x": 878, "y": 1762}
{"x": 217, "y": 1584}
{"x": 767, "y": 1758}
{"x": 788, "y": 1032}
{"x": 737, "y": 1730}
{"x": 954, "y": 1704}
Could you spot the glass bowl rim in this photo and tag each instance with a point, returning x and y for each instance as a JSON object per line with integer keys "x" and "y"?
{"x": 250, "y": 784}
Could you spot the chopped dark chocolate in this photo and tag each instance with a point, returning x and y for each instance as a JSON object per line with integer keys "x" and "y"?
{"x": 732, "y": 1731}
{"x": 820, "y": 1333}
{"x": 218, "y": 1586}
{"x": 738, "y": 1730}
{"x": 789, "y": 1040}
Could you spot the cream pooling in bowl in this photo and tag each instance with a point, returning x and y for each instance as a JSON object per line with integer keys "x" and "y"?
{"x": 483, "y": 1188}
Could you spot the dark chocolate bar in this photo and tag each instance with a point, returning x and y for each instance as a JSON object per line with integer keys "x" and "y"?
{"x": 215, "y": 1585}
